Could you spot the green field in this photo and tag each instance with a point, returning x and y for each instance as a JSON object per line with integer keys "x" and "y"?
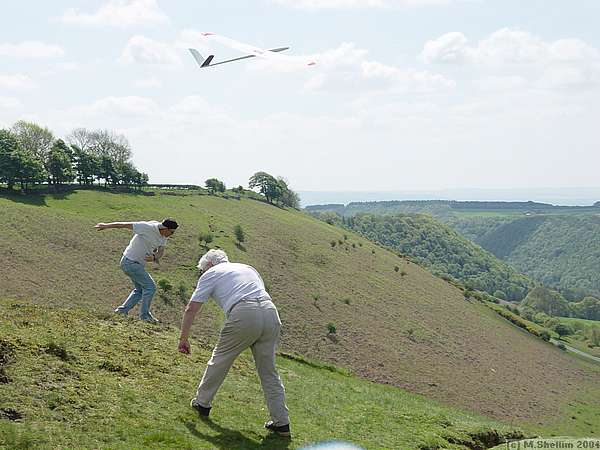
{"x": 404, "y": 328}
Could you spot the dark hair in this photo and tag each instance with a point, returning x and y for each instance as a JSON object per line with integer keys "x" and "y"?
{"x": 169, "y": 223}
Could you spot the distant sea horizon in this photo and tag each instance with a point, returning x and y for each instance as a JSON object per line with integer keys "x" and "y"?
{"x": 554, "y": 196}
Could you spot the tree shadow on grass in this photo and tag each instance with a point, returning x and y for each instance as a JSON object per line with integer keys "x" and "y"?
{"x": 27, "y": 199}
{"x": 228, "y": 438}
{"x": 34, "y": 198}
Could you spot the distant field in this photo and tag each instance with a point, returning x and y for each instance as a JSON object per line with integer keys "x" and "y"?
{"x": 404, "y": 328}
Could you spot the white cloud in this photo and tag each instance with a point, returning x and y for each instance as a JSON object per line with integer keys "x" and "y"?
{"x": 506, "y": 46}
{"x": 359, "y": 4}
{"x": 118, "y": 13}
{"x": 10, "y": 103}
{"x": 564, "y": 63}
{"x": 32, "y": 50}
{"x": 140, "y": 49}
{"x": 129, "y": 106}
{"x": 450, "y": 47}
{"x": 348, "y": 67}
{"x": 16, "y": 82}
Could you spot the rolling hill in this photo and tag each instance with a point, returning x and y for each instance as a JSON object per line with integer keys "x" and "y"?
{"x": 404, "y": 328}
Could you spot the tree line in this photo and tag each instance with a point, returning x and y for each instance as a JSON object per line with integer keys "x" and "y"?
{"x": 30, "y": 154}
{"x": 275, "y": 190}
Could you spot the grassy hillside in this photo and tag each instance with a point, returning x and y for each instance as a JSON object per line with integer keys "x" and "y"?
{"x": 443, "y": 251}
{"x": 74, "y": 379}
{"x": 413, "y": 331}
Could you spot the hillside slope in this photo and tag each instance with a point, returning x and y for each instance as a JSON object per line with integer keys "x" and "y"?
{"x": 560, "y": 251}
{"x": 443, "y": 251}
{"x": 78, "y": 380}
{"x": 414, "y": 331}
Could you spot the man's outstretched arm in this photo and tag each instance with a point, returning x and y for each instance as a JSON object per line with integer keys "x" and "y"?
{"x": 188, "y": 318}
{"x": 103, "y": 226}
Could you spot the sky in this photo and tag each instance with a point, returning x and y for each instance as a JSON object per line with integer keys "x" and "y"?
{"x": 406, "y": 95}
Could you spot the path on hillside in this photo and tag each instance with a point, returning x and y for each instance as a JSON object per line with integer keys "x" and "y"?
{"x": 574, "y": 350}
{"x": 554, "y": 341}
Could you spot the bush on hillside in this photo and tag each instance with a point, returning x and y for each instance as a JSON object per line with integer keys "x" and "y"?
{"x": 563, "y": 329}
{"x": 205, "y": 238}
{"x": 547, "y": 301}
{"x": 239, "y": 233}
{"x": 588, "y": 308}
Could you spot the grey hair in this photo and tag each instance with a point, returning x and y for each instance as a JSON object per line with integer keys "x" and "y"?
{"x": 213, "y": 257}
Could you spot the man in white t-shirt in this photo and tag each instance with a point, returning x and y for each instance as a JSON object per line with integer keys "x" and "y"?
{"x": 251, "y": 321}
{"x": 148, "y": 244}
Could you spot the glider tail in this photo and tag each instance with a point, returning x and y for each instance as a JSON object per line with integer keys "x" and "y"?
{"x": 199, "y": 59}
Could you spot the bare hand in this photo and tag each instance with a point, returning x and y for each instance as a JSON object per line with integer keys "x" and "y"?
{"x": 100, "y": 226}
{"x": 184, "y": 347}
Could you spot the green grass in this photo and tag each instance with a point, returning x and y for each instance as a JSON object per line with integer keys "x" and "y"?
{"x": 82, "y": 380}
{"x": 584, "y": 343}
{"x": 415, "y": 332}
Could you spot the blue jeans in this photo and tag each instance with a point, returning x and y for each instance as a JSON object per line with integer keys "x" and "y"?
{"x": 144, "y": 288}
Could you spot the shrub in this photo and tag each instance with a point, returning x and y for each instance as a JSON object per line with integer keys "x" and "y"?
{"x": 331, "y": 328}
{"x": 205, "y": 238}
{"x": 340, "y": 242}
{"x": 165, "y": 285}
{"x": 345, "y": 237}
{"x": 396, "y": 268}
{"x": 182, "y": 293}
{"x": 500, "y": 294}
{"x": 403, "y": 273}
{"x": 545, "y": 335}
{"x": 373, "y": 251}
{"x": 239, "y": 233}
{"x": 562, "y": 329}
{"x": 347, "y": 301}
{"x": 353, "y": 245}
{"x": 58, "y": 350}
{"x": 332, "y": 243}
{"x": 561, "y": 346}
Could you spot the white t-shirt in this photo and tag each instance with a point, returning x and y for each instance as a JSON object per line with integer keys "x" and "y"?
{"x": 145, "y": 242}
{"x": 228, "y": 283}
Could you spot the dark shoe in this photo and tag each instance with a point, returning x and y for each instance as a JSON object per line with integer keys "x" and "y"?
{"x": 281, "y": 430}
{"x": 202, "y": 411}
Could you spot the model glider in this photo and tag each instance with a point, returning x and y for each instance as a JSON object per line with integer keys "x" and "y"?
{"x": 249, "y": 50}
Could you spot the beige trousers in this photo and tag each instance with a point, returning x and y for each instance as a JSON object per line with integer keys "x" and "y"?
{"x": 255, "y": 324}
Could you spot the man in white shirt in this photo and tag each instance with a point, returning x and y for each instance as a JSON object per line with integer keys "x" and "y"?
{"x": 148, "y": 244}
{"x": 251, "y": 321}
